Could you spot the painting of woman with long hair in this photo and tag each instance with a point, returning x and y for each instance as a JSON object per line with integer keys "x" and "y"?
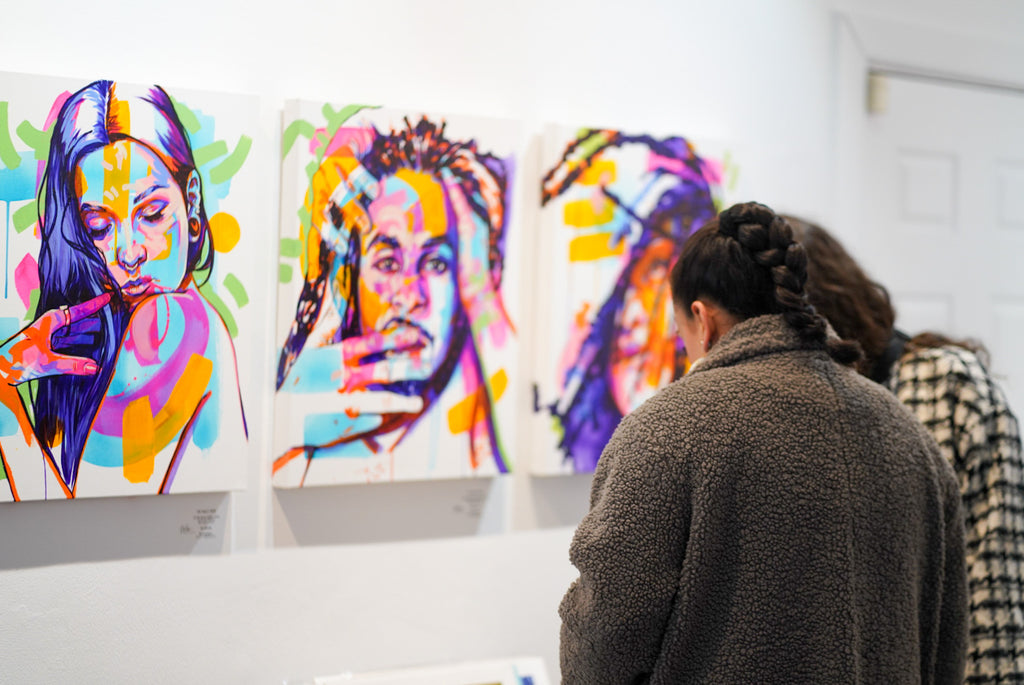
{"x": 126, "y": 377}
{"x": 624, "y": 206}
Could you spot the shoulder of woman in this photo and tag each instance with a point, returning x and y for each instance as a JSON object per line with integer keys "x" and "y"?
{"x": 169, "y": 319}
{"x": 947, "y": 361}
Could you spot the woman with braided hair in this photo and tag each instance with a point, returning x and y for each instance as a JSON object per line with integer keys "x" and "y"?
{"x": 772, "y": 516}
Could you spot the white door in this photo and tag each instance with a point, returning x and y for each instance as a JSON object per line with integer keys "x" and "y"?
{"x": 943, "y": 215}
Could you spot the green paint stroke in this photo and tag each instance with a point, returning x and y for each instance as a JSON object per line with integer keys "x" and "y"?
{"x": 305, "y": 217}
{"x": 291, "y": 247}
{"x": 24, "y": 217}
{"x": 299, "y": 127}
{"x": 284, "y": 273}
{"x": 221, "y": 307}
{"x": 8, "y": 155}
{"x": 237, "y": 290}
{"x": 335, "y": 120}
{"x": 208, "y": 153}
{"x": 35, "y": 139}
{"x": 188, "y": 118}
{"x": 592, "y": 144}
{"x": 25, "y": 391}
{"x": 33, "y": 302}
{"x": 230, "y": 166}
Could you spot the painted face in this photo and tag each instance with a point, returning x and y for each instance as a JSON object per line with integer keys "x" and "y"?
{"x": 407, "y": 270}
{"x": 136, "y": 216}
{"x": 643, "y": 357}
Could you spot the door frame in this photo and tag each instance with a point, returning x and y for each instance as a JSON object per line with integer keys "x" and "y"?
{"x": 866, "y": 44}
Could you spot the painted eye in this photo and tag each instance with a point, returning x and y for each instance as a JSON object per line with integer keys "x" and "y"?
{"x": 153, "y": 212}
{"x": 98, "y": 225}
{"x": 386, "y": 264}
{"x": 436, "y": 265}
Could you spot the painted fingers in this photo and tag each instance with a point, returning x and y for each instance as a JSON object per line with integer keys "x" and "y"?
{"x": 30, "y": 354}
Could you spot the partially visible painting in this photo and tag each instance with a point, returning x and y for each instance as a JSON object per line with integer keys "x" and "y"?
{"x": 126, "y": 263}
{"x": 616, "y": 211}
{"x": 395, "y": 336}
{"x": 523, "y": 671}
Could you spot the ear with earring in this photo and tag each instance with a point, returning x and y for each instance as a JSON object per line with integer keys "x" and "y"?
{"x": 193, "y": 229}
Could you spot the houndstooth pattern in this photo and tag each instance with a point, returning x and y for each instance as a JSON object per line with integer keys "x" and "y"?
{"x": 951, "y": 392}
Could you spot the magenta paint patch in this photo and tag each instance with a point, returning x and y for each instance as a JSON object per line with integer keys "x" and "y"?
{"x": 26, "y": 279}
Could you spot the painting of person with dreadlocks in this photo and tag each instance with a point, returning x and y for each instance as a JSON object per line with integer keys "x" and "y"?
{"x": 400, "y": 344}
{"x": 622, "y": 206}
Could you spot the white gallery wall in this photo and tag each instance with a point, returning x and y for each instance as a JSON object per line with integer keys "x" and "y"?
{"x": 265, "y": 587}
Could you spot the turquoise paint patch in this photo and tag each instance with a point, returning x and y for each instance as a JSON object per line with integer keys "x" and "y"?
{"x": 320, "y": 429}
{"x": 104, "y": 450}
{"x": 8, "y": 426}
{"x": 317, "y": 369}
{"x": 207, "y": 426}
{"x": 9, "y": 325}
{"x": 19, "y": 183}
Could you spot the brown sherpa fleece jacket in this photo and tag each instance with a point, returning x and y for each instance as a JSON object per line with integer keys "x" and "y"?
{"x": 772, "y": 517}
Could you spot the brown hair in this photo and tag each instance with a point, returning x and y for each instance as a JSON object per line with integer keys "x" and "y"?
{"x": 857, "y": 307}
{"x": 747, "y": 262}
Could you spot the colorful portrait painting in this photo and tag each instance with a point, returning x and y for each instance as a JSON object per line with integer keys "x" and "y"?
{"x": 616, "y": 211}
{"x": 396, "y": 338}
{"x": 124, "y": 312}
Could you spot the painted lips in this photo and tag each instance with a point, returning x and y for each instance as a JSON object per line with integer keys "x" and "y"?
{"x": 138, "y": 286}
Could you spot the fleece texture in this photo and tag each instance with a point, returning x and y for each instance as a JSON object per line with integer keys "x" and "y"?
{"x": 772, "y": 517}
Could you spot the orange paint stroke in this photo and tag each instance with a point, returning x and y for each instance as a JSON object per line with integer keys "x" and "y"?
{"x": 10, "y": 477}
{"x": 139, "y": 443}
{"x": 285, "y": 458}
{"x": 473, "y": 409}
{"x": 138, "y": 448}
{"x": 587, "y": 248}
{"x": 584, "y": 213}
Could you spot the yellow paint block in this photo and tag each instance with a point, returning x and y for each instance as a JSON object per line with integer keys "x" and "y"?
{"x": 601, "y": 172}
{"x": 587, "y": 248}
{"x": 583, "y": 214}
{"x": 463, "y": 415}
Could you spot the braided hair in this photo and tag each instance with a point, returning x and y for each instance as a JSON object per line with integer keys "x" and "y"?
{"x": 747, "y": 262}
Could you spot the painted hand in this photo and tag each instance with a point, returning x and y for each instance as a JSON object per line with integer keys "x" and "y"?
{"x": 345, "y": 398}
{"x": 29, "y": 354}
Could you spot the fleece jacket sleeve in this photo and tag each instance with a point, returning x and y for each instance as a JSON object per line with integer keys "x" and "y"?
{"x": 950, "y": 660}
{"x": 628, "y": 550}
